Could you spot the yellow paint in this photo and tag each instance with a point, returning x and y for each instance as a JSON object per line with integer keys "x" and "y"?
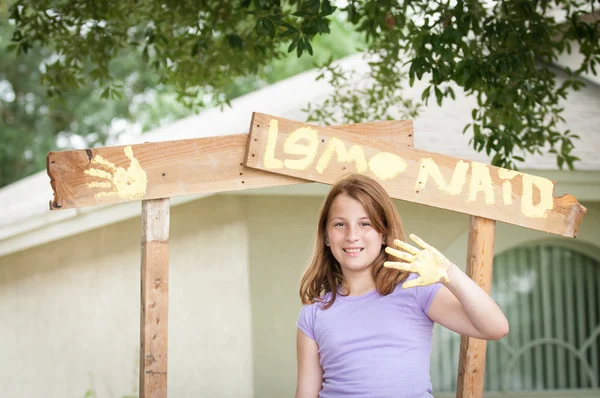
{"x": 481, "y": 181}
{"x": 431, "y": 265}
{"x": 105, "y": 194}
{"x": 98, "y": 173}
{"x": 507, "y": 176}
{"x": 95, "y": 184}
{"x": 127, "y": 183}
{"x": 386, "y": 166}
{"x": 430, "y": 168}
{"x": 356, "y": 154}
{"x": 292, "y": 147}
{"x": 100, "y": 160}
{"x": 546, "y": 203}
{"x": 270, "y": 162}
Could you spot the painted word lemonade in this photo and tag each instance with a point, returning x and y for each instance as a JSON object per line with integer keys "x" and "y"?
{"x": 300, "y": 151}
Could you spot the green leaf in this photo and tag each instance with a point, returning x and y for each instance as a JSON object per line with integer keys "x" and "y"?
{"x": 425, "y": 94}
{"x": 327, "y": 8}
{"x": 269, "y": 27}
{"x": 498, "y": 160}
{"x": 293, "y": 45}
{"x": 308, "y": 47}
{"x": 301, "y": 14}
{"x": 17, "y": 36}
{"x": 300, "y": 48}
{"x": 438, "y": 96}
{"x": 235, "y": 41}
{"x": 311, "y": 6}
{"x": 14, "y": 13}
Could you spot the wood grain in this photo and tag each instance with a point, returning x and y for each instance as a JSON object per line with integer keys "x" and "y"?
{"x": 185, "y": 167}
{"x": 480, "y": 258}
{"x": 154, "y": 309}
{"x": 503, "y": 202}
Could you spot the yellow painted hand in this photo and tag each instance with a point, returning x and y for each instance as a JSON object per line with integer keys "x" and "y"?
{"x": 431, "y": 265}
{"x": 127, "y": 183}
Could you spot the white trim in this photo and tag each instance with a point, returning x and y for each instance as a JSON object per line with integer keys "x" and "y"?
{"x": 55, "y": 227}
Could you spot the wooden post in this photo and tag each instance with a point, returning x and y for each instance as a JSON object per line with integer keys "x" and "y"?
{"x": 154, "y": 309}
{"x": 471, "y": 362}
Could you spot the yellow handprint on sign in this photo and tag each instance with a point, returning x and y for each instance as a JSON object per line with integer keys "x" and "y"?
{"x": 127, "y": 183}
{"x": 431, "y": 265}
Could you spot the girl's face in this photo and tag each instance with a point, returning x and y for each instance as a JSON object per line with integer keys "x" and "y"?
{"x": 354, "y": 242}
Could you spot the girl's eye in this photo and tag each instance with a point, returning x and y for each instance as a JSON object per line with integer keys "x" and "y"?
{"x": 338, "y": 224}
{"x": 366, "y": 224}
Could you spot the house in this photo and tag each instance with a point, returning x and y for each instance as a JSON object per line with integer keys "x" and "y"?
{"x": 70, "y": 279}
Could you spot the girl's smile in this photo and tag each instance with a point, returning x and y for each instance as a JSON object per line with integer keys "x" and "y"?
{"x": 353, "y": 251}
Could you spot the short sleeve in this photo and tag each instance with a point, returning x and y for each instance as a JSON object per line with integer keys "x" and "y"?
{"x": 306, "y": 320}
{"x": 425, "y": 295}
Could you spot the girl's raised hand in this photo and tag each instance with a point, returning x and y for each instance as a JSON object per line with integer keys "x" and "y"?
{"x": 431, "y": 265}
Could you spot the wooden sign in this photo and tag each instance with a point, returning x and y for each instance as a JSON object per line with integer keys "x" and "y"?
{"x": 165, "y": 169}
{"x": 321, "y": 154}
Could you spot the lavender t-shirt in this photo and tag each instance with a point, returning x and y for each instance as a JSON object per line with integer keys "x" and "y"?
{"x": 374, "y": 346}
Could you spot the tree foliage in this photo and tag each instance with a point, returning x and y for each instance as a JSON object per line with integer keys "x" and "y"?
{"x": 33, "y": 123}
{"x": 91, "y": 114}
{"x": 500, "y": 52}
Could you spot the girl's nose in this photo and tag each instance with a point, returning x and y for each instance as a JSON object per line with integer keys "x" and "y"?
{"x": 352, "y": 234}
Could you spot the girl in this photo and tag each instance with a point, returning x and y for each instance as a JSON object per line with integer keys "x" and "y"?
{"x": 365, "y": 329}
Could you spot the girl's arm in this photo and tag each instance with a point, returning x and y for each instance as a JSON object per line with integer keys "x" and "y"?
{"x": 310, "y": 373}
{"x": 463, "y": 307}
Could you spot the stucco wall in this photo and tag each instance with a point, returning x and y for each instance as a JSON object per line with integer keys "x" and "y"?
{"x": 281, "y": 230}
{"x": 70, "y": 309}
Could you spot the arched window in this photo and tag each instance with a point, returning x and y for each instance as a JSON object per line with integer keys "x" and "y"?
{"x": 551, "y": 297}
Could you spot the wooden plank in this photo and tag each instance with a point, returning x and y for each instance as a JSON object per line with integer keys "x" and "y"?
{"x": 154, "y": 309}
{"x": 480, "y": 257}
{"x": 320, "y": 154}
{"x": 185, "y": 167}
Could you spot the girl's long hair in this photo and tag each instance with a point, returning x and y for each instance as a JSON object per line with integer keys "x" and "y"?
{"x": 324, "y": 273}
